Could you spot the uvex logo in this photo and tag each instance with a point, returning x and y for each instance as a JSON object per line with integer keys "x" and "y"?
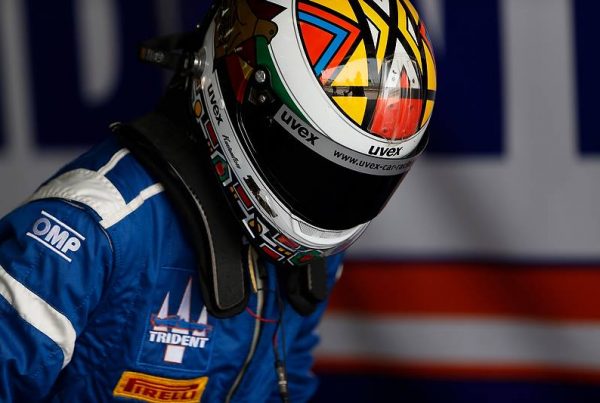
{"x": 215, "y": 105}
{"x": 385, "y": 152}
{"x": 296, "y": 127}
{"x": 56, "y": 236}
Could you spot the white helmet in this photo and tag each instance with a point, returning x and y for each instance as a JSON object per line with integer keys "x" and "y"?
{"x": 313, "y": 111}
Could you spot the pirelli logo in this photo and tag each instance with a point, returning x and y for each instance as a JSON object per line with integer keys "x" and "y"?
{"x": 150, "y": 388}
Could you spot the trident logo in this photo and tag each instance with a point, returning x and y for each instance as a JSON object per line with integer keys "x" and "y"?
{"x": 177, "y": 331}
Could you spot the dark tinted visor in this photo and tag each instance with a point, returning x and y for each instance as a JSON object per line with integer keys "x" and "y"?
{"x": 316, "y": 189}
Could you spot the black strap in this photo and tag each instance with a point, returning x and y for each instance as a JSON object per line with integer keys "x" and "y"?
{"x": 170, "y": 155}
{"x": 306, "y": 286}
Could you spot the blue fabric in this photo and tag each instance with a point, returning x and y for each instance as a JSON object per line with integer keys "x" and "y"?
{"x": 129, "y": 291}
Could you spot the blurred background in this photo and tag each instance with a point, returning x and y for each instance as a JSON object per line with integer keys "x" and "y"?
{"x": 480, "y": 281}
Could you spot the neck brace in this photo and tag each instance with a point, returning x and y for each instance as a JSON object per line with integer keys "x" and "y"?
{"x": 173, "y": 156}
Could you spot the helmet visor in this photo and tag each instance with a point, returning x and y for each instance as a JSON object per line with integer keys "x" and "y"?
{"x": 320, "y": 181}
{"x": 314, "y": 188}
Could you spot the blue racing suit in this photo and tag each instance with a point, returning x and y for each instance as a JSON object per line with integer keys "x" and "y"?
{"x": 100, "y": 300}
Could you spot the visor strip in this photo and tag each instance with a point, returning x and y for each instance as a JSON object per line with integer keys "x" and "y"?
{"x": 343, "y": 156}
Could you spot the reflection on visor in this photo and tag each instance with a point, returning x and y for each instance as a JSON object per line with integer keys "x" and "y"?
{"x": 391, "y": 106}
{"x": 400, "y": 103}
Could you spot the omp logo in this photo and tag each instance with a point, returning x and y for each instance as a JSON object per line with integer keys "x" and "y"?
{"x": 56, "y": 236}
{"x": 150, "y": 388}
{"x": 178, "y": 332}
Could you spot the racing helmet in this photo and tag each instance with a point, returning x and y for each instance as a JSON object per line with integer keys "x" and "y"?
{"x": 313, "y": 111}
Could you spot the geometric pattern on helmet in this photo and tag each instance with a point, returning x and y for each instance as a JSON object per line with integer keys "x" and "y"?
{"x": 329, "y": 38}
{"x": 346, "y": 42}
{"x": 273, "y": 243}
